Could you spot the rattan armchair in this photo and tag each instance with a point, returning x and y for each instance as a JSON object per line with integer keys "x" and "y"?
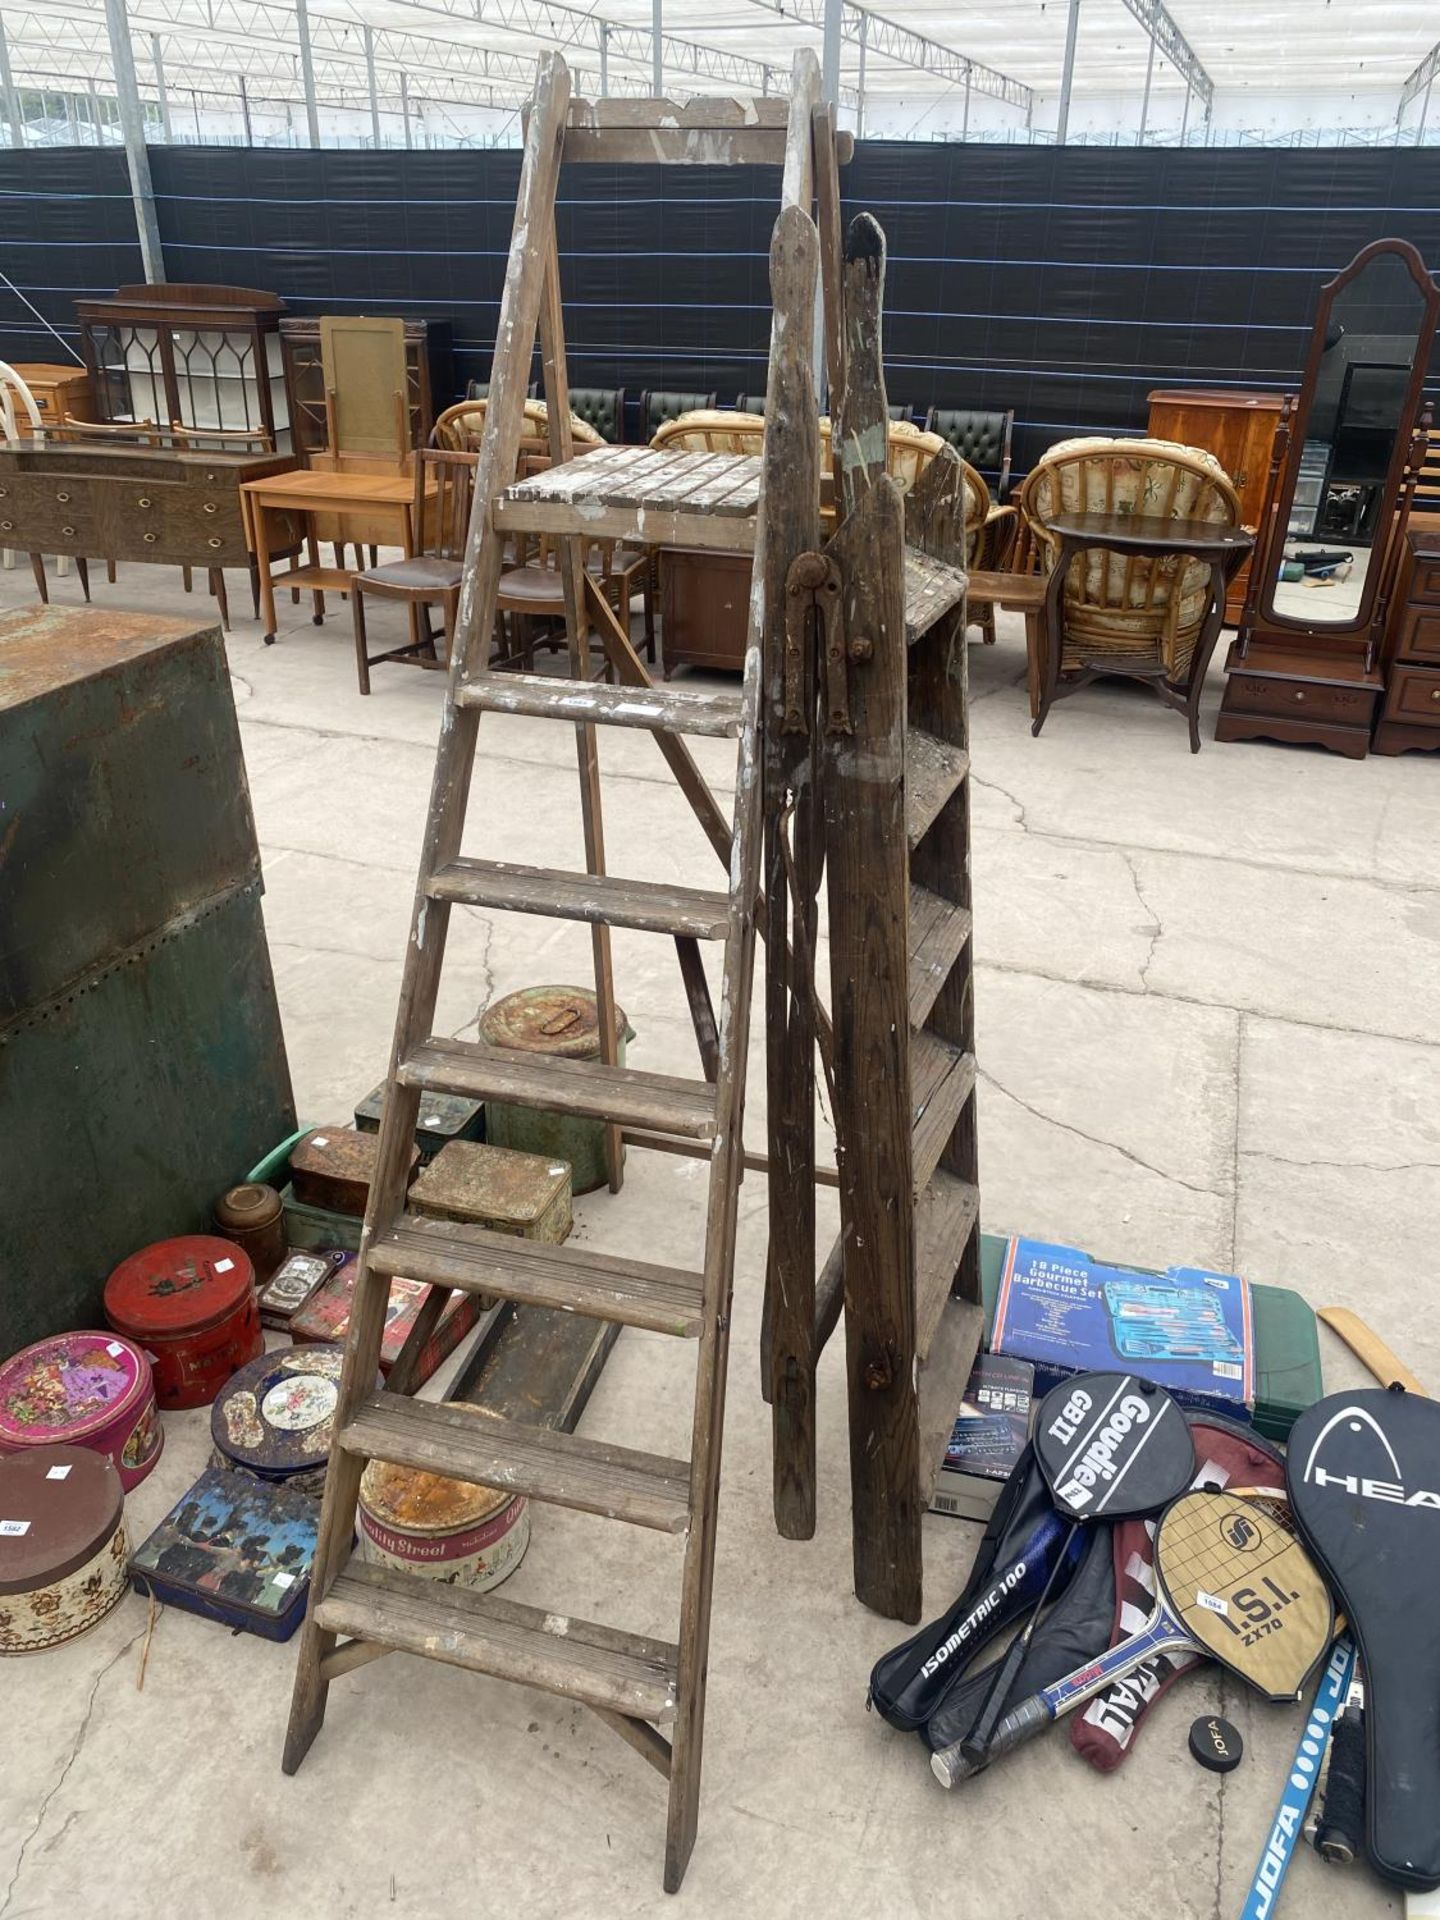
{"x": 1138, "y": 615}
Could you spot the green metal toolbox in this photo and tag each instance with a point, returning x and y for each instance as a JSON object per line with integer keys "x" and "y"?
{"x": 142, "y": 1066}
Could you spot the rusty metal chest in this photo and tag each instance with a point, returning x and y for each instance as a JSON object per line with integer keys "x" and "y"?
{"x": 526, "y": 1194}
{"x": 333, "y": 1168}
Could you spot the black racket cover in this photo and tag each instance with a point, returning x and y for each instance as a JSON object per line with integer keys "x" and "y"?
{"x": 1074, "y": 1630}
{"x": 1023, "y": 1527}
{"x": 1110, "y": 1445}
{"x": 1363, "y": 1473}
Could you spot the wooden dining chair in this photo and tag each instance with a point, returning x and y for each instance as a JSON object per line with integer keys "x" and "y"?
{"x": 431, "y": 578}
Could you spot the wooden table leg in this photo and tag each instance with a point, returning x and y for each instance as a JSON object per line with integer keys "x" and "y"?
{"x": 261, "y": 528}
{"x": 1034, "y": 657}
{"x": 407, "y": 547}
{"x": 317, "y": 598}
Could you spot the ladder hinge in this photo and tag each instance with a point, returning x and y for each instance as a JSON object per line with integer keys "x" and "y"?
{"x": 812, "y": 607}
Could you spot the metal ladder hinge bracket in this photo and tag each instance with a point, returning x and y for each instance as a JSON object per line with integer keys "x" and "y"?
{"x": 812, "y": 611}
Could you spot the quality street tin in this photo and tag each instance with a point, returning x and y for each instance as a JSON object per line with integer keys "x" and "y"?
{"x": 62, "y": 1545}
{"x": 447, "y": 1530}
{"x": 275, "y": 1418}
{"x": 83, "y": 1390}
{"x": 190, "y": 1302}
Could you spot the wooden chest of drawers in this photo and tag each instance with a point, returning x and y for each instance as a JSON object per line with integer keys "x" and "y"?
{"x": 131, "y": 503}
{"x": 1300, "y": 698}
{"x": 1410, "y": 717}
{"x": 58, "y": 391}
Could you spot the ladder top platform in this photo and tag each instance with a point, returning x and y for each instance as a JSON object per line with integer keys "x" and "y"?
{"x": 704, "y": 500}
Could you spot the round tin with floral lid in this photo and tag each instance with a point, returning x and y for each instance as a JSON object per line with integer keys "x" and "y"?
{"x": 85, "y": 1389}
{"x": 62, "y": 1545}
{"x": 448, "y": 1530}
{"x": 190, "y": 1302}
{"x": 275, "y": 1418}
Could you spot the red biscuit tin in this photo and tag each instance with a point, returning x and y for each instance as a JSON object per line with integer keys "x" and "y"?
{"x": 83, "y": 1390}
{"x": 190, "y": 1302}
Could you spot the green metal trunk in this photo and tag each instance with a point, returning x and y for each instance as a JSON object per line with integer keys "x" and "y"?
{"x": 142, "y": 1066}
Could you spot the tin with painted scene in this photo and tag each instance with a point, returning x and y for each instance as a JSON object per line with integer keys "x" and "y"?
{"x": 447, "y": 1530}
{"x": 62, "y": 1546}
{"x": 87, "y": 1389}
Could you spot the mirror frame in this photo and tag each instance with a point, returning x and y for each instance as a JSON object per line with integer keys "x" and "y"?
{"x": 1265, "y": 572}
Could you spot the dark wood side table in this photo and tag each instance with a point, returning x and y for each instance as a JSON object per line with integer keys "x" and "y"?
{"x": 1224, "y": 549}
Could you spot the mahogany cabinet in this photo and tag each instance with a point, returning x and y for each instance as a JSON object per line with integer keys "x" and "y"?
{"x": 1410, "y": 716}
{"x": 704, "y": 608}
{"x": 1239, "y": 429}
{"x": 429, "y": 368}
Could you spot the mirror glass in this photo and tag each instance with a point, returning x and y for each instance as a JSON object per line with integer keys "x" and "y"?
{"x": 1346, "y": 439}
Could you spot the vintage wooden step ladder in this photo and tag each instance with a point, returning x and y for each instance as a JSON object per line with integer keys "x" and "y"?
{"x": 360, "y": 1610}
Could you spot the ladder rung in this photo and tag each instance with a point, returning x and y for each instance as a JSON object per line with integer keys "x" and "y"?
{"x": 945, "y": 1217}
{"x": 933, "y": 770}
{"x": 648, "y": 905}
{"x": 942, "y": 1079}
{"x": 562, "y": 1468}
{"x": 932, "y": 588}
{"x": 661, "y": 709}
{"x": 633, "y": 1293}
{"x": 489, "y": 1634}
{"x": 585, "y": 1087}
{"x": 938, "y": 932}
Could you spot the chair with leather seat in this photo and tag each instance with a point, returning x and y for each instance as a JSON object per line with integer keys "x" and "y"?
{"x": 428, "y": 579}
{"x": 602, "y": 408}
{"x": 983, "y": 439}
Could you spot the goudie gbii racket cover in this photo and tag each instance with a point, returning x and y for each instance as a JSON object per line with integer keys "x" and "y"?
{"x": 1363, "y": 1471}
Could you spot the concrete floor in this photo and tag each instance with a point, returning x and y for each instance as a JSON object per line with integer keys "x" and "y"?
{"x": 1208, "y": 1032}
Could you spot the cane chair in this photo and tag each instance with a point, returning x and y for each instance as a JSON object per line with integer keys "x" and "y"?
{"x": 459, "y": 427}
{"x": 656, "y": 408}
{"x": 428, "y": 579}
{"x": 1143, "y": 616}
{"x": 710, "y": 430}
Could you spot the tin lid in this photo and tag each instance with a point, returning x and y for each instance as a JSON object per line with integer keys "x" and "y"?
{"x": 58, "y": 1507}
{"x": 560, "y": 1021}
{"x": 470, "y": 1180}
{"x": 277, "y": 1414}
{"x": 341, "y": 1153}
{"x": 247, "y": 1207}
{"x": 428, "y": 1503}
{"x": 68, "y": 1387}
{"x": 178, "y": 1286}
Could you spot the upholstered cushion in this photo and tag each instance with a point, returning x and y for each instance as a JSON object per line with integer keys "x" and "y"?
{"x": 460, "y": 427}
{"x": 711, "y": 430}
{"x": 427, "y": 572}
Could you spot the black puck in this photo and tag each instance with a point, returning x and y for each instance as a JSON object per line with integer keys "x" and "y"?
{"x": 1215, "y": 1743}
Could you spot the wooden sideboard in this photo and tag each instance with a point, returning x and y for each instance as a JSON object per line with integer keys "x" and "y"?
{"x": 1239, "y": 429}
{"x": 134, "y": 503}
{"x": 58, "y": 391}
{"x": 1410, "y": 715}
{"x": 704, "y": 609}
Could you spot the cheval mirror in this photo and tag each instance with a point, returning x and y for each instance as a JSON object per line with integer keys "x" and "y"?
{"x": 1305, "y": 666}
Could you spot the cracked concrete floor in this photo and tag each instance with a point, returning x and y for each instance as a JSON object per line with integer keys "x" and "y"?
{"x": 1208, "y": 1032}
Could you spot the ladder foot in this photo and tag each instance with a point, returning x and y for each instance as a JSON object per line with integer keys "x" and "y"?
{"x": 307, "y": 1703}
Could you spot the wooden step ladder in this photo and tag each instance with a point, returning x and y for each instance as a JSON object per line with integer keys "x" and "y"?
{"x": 359, "y": 1610}
{"x": 895, "y": 781}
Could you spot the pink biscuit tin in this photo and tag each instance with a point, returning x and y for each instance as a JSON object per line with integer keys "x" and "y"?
{"x": 90, "y": 1390}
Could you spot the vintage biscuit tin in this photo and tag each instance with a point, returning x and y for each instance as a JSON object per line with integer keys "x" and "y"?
{"x": 316, "y": 1228}
{"x": 62, "y": 1545}
{"x": 326, "y": 1317}
{"x": 190, "y": 1303}
{"x": 275, "y": 1419}
{"x": 447, "y": 1530}
{"x": 86, "y": 1389}
{"x": 235, "y": 1550}
{"x": 525, "y": 1194}
{"x": 333, "y": 1168}
{"x": 251, "y": 1216}
{"x": 443, "y": 1117}
{"x": 293, "y": 1282}
{"x": 563, "y": 1023}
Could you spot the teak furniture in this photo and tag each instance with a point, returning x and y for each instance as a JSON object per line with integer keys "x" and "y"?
{"x": 1316, "y": 678}
{"x": 429, "y": 379}
{"x": 1410, "y": 716}
{"x": 1239, "y": 429}
{"x": 376, "y": 500}
{"x": 200, "y": 356}
{"x": 59, "y": 392}
{"x": 115, "y": 502}
{"x": 443, "y": 483}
